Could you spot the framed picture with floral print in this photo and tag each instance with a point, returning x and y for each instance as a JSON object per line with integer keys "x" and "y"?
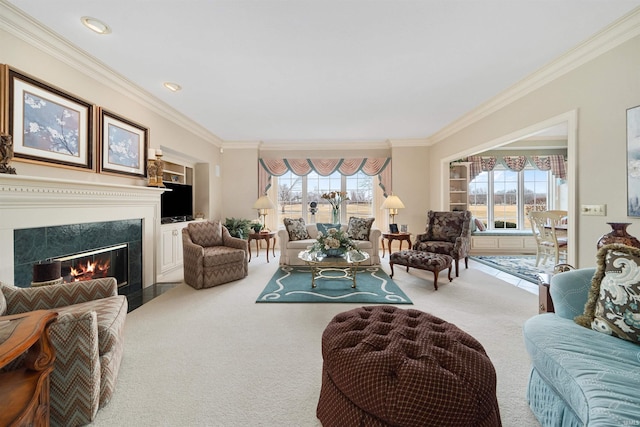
{"x": 48, "y": 125}
{"x": 633, "y": 161}
{"x": 123, "y": 145}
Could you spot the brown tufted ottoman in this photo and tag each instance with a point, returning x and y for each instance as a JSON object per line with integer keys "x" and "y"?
{"x": 387, "y": 366}
{"x": 422, "y": 260}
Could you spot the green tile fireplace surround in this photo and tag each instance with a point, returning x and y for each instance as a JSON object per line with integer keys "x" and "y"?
{"x": 38, "y": 244}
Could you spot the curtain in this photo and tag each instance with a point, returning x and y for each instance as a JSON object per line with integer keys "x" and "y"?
{"x": 324, "y": 167}
{"x": 555, "y": 163}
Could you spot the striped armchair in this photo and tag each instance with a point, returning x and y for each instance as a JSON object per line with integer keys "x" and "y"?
{"x": 211, "y": 256}
{"x": 88, "y": 338}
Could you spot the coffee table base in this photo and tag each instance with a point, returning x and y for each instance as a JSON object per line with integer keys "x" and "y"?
{"x": 348, "y": 273}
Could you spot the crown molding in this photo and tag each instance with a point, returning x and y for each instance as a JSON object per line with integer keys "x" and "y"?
{"x": 24, "y": 27}
{"x": 618, "y": 32}
{"x": 241, "y": 145}
{"x": 412, "y": 142}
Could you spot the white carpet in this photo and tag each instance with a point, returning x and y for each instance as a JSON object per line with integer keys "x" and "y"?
{"x": 216, "y": 358}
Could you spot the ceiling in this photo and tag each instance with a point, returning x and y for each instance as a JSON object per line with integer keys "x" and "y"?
{"x": 327, "y": 70}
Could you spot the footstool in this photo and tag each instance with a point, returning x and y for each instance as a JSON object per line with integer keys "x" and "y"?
{"x": 383, "y": 365}
{"x": 423, "y": 261}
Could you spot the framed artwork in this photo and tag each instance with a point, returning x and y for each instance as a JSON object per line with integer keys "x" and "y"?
{"x": 633, "y": 161}
{"x": 393, "y": 228}
{"x": 48, "y": 125}
{"x": 404, "y": 228}
{"x": 123, "y": 145}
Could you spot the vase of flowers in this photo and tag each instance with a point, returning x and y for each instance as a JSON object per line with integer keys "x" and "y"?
{"x": 334, "y": 243}
{"x": 335, "y": 199}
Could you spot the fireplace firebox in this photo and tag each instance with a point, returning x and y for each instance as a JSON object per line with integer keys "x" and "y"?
{"x": 111, "y": 261}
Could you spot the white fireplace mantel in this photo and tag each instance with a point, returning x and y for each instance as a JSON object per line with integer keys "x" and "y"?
{"x": 28, "y": 202}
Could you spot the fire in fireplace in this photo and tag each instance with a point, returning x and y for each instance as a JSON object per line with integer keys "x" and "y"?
{"x": 111, "y": 261}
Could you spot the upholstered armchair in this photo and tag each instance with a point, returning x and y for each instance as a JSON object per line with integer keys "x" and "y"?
{"x": 212, "y": 256}
{"x": 88, "y": 338}
{"x": 447, "y": 233}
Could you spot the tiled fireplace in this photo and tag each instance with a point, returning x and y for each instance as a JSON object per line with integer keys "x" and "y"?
{"x": 43, "y": 219}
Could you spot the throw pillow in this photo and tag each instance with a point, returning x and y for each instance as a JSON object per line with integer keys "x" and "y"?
{"x": 296, "y": 228}
{"x": 479, "y": 225}
{"x": 612, "y": 306}
{"x": 206, "y": 233}
{"x": 324, "y": 227}
{"x": 3, "y": 303}
{"x": 359, "y": 228}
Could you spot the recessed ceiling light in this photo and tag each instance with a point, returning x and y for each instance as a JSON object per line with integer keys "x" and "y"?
{"x": 173, "y": 87}
{"x": 95, "y": 25}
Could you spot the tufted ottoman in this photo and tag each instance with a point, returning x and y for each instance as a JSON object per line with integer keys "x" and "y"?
{"x": 383, "y": 365}
{"x": 422, "y": 260}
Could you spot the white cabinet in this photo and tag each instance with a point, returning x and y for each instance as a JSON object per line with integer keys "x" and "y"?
{"x": 171, "y": 246}
{"x": 459, "y": 186}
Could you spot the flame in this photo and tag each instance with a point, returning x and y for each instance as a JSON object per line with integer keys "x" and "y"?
{"x": 90, "y": 270}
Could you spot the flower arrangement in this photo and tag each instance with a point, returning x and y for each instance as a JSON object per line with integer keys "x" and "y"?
{"x": 335, "y": 198}
{"x": 334, "y": 243}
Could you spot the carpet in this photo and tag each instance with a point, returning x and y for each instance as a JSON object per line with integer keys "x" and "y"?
{"x": 293, "y": 284}
{"x": 522, "y": 266}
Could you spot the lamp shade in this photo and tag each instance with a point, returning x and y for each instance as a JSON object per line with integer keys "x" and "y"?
{"x": 264, "y": 202}
{"x": 392, "y": 202}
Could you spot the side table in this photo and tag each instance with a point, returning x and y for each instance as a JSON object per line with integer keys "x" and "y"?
{"x": 395, "y": 236}
{"x": 545, "y": 303}
{"x": 266, "y": 236}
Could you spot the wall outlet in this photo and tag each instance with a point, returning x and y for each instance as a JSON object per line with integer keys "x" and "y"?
{"x": 599, "y": 210}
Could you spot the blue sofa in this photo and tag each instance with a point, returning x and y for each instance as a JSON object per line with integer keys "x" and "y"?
{"x": 579, "y": 377}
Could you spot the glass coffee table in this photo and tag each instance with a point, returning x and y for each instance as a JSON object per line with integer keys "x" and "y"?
{"x": 346, "y": 266}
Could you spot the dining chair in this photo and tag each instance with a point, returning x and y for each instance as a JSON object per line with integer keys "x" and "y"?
{"x": 544, "y": 226}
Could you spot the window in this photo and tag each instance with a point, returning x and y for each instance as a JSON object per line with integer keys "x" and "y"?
{"x": 296, "y": 192}
{"x": 502, "y": 199}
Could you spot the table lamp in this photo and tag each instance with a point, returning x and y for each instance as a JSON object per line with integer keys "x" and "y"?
{"x": 262, "y": 204}
{"x": 393, "y": 203}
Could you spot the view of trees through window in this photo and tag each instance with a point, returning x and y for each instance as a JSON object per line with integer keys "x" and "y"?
{"x": 503, "y": 198}
{"x": 296, "y": 192}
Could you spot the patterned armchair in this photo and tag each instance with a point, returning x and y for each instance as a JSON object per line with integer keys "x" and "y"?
{"x": 447, "y": 233}
{"x": 88, "y": 338}
{"x": 212, "y": 256}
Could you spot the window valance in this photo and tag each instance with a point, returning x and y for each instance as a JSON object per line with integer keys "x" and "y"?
{"x": 555, "y": 163}
{"x": 381, "y": 167}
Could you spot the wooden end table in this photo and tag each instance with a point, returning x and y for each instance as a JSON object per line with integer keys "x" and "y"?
{"x": 545, "y": 303}
{"x": 263, "y": 235}
{"x": 395, "y": 236}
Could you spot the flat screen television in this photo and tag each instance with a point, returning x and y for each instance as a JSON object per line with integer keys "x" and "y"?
{"x": 176, "y": 205}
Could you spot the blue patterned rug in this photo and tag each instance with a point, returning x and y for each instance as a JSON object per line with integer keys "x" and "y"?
{"x": 293, "y": 284}
{"x": 522, "y": 266}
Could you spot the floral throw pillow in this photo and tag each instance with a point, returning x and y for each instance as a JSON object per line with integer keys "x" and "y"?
{"x": 359, "y": 228}
{"x": 614, "y": 297}
{"x": 325, "y": 227}
{"x": 296, "y": 228}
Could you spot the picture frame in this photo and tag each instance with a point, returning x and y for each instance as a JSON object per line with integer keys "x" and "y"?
{"x": 633, "y": 161}
{"x": 48, "y": 125}
{"x": 393, "y": 228}
{"x": 123, "y": 145}
{"x": 404, "y": 228}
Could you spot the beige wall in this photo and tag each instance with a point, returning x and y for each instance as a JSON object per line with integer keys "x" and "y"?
{"x": 162, "y": 132}
{"x": 601, "y": 91}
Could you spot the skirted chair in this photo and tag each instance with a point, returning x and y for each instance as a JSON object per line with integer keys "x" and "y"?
{"x": 447, "y": 233}
{"x": 212, "y": 256}
{"x": 88, "y": 338}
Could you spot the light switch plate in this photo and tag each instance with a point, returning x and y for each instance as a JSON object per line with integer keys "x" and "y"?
{"x": 597, "y": 210}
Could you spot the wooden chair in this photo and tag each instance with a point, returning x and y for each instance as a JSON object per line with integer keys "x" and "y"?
{"x": 544, "y": 227}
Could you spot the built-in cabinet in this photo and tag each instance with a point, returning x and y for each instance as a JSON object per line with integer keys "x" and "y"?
{"x": 171, "y": 246}
{"x": 178, "y": 173}
{"x": 459, "y": 186}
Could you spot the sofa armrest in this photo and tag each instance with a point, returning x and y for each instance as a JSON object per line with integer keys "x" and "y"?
{"x": 570, "y": 290}
{"x": 21, "y": 300}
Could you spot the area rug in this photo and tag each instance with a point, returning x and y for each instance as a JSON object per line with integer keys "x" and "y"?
{"x": 522, "y": 266}
{"x": 293, "y": 284}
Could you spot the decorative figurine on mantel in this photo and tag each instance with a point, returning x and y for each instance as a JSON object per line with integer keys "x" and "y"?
{"x": 6, "y": 154}
{"x": 155, "y": 168}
